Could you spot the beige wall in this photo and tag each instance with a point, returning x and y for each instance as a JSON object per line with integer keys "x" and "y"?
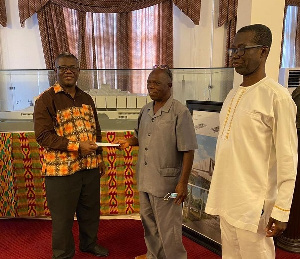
{"x": 20, "y": 48}
{"x": 200, "y": 45}
{"x": 270, "y": 13}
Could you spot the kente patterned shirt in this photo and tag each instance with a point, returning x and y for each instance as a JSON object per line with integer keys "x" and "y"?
{"x": 60, "y": 123}
{"x": 256, "y": 156}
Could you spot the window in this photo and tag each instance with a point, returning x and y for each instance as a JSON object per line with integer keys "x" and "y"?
{"x": 288, "y": 48}
{"x": 105, "y": 49}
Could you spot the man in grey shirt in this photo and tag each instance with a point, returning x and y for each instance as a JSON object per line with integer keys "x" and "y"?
{"x": 166, "y": 139}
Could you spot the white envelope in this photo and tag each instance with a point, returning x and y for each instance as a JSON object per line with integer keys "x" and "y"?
{"x": 100, "y": 144}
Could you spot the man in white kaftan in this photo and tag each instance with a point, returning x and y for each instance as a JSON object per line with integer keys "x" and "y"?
{"x": 256, "y": 157}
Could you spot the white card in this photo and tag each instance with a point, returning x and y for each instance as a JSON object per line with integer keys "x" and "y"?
{"x": 100, "y": 144}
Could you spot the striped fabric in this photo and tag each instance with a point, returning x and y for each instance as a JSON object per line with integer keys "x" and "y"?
{"x": 3, "y": 17}
{"x": 89, "y": 36}
{"x": 7, "y": 177}
{"x": 28, "y": 7}
{"x": 228, "y": 16}
{"x": 22, "y": 189}
{"x": 190, "y": 8}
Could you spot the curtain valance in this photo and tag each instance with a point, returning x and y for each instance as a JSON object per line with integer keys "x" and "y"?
{"x": 28, "y": 7}
{"x": 292, "y": 2}
{"x": 3, "y": 17}
{"x": 228, "y": 16}
{"x": 227, "y": 11}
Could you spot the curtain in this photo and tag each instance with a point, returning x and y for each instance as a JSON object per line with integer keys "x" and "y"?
{"x": 3, "y": 17}
{"x": 291, "y": 34}
{"x": 107, "y": 41}
{"x": 82, "y": 32}
{"x": 53, "y": 33}
{"x": 228, "y": 16}
{"x": 151, "y": 41}
{"x": 28, "y": 7}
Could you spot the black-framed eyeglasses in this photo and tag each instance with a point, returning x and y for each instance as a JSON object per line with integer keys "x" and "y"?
{"x": 240, "y": 51}
{"x": 64, "y": 69}
{"x": 169, "y": 72}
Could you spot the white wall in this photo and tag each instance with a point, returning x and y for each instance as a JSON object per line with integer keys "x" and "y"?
{"x": 199, "y": 45}
{"x": 20, "y": 48}
{"x": 270, "y": 13}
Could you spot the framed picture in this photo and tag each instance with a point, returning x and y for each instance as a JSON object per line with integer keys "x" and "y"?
{"x": 197, "y": 225}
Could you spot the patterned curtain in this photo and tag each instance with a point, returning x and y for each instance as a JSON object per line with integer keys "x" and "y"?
{"x": 109, "y": 41}
{"x": 84, "y": 30}
{"x": 191, "y": 8}
{"x": 3, "y": 17}
{"x": 297, "y": 38}
{"x": 156, "y": 25}
{"x": 228, "y": 16}
{"x": 53, "y": 33}
{"x": 28, "y": 7}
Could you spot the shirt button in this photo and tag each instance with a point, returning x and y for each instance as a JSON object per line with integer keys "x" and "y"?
{"x": 149, "y": 134}
{"x": 145, "y": 163}
{"x": 146, "y": 148}
{"x": 152, "y": 120}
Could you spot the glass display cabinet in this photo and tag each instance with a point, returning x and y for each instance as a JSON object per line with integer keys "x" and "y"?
{"x": 118, "y": 94}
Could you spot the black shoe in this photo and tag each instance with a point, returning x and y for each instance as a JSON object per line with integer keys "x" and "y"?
{"x": 97, "y": 251}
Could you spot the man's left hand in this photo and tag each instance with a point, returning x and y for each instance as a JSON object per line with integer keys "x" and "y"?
{"x": 182, "y": 192}
{"x": 102, "y": 168}
{"x": 275, "y": 228}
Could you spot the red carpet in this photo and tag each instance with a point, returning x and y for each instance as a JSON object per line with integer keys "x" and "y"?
{"x": 31, "y": 239}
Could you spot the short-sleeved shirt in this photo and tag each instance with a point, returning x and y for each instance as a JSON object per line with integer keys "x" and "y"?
{"x": 60, "y": 123}
{"x": 163, "y": 137}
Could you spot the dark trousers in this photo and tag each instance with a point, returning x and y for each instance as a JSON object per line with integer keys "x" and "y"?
{"x": 66, "y": 195}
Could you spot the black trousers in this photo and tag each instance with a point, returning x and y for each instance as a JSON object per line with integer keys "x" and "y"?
{"x": 66, "y": 195}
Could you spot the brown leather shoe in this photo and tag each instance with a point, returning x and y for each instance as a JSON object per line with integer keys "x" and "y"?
{"x": 98, "y": 250}
{"x": 141, "y": 257}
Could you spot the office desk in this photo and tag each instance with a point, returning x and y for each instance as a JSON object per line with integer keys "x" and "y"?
{"x": 22, "y": 187}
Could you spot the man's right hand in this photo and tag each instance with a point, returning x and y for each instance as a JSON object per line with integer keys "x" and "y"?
{"x": 124, "y": 143}
{"x": 87, "y": 147}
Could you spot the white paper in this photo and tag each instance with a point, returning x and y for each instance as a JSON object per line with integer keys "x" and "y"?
{"x": 100, "y": 144}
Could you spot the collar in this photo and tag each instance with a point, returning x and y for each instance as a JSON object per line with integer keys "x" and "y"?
{"x": 58, "y": 88}
{"x": 166, "y": 108}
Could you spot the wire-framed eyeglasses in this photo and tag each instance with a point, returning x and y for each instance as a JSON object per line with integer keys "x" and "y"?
{"x": 240, "y": 51}
{"x": 64, "y": 69}
{"x": 164, "y": 67}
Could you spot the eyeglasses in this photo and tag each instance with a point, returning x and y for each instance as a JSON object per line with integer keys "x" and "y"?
{"x": 164, "y": 67}
{"x": 240, "y": 51}
{"x": 64, "y": 69}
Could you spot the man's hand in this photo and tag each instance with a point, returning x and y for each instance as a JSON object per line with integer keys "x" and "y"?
{"x": 275, "y": 228}
{"x": 124, "y": 143}
{"x": 182, "y": 192}
{"x": 87, "y": 147}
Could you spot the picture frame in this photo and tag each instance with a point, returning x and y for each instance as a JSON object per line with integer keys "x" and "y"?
{"x": 197, "y": 225}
